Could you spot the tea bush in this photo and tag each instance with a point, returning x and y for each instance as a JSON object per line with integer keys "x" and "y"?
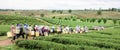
{"x": 47, "y": 45}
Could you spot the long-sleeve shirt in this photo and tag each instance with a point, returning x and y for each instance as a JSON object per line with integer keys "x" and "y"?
{"x": 13, "y": 30}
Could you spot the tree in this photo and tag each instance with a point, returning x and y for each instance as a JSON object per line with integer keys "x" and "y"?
{"x": 118, "y": 10}
{"x": 53, "y": 17}
{"x": 88, "y": 19}
{"x": 93, "y": 20}
{"x": 61, "y": 11}
{"x": 71, "y": 17}
{"x": 66, "y": 18}
{"x": 74, "y": 19}
{"x": 42, "y": 15}
{"x": 53, "y": 11}
{"x": 81, "y": 19}
{"x": 104, "y": 20}
{"x": 31, "y": 14}
{"x": 99, "y": 20}
{"x": 69, "y": 11}
{"x": 113, "y": 9}
{"x": 114, "y": 21}
{"x": 99, "y": 12}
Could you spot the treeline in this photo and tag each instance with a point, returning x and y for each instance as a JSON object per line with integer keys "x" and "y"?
{"x": 7, "y": 10}
{"x": 109, "y": 9}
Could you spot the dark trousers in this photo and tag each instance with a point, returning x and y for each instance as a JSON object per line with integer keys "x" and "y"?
{"x": 14, "y": 37}
{"x": 20, "y": 34}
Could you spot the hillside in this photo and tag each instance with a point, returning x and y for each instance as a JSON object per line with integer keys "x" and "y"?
{"x": 65, "y": 13}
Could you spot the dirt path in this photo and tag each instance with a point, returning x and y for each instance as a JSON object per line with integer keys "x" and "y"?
{"x": 5, "y": 42}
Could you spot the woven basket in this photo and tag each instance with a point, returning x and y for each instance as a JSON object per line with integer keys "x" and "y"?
{"x": 45, "y": 33}
{"x": 32, "y": 33}
{"x": 58, "y": 30}
{"x": 51, "y": 30}
{"x": 37, "y": 34}
{"x": 9, "y": 34}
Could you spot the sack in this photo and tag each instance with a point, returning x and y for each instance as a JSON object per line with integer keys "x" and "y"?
{"x": 29, "y": 33}
{"x": 46, "y": 33}
{"x": 32, "y": 33}
{"x": 63, "y": 31}
{"x": 81, "y": 31}
{"x": 67, "y": 32}
{"x": 37, "y": 33}
{"x": 58, "y": 30}
{"x": 76, "y": 32}
{"x": 9, "y": 34}
{"x": 51, "y": 30}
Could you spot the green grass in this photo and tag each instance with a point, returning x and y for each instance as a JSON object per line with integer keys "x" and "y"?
{"x": 4, "y": 29}
{"x": 11, "y": 47}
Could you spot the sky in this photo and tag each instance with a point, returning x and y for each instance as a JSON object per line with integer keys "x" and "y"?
{"x": 59, "y": 4}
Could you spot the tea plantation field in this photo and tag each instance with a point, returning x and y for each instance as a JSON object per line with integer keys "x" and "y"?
{"x": 82, "y": 22}
{"x": 108, "y": 39}
{"x": 14, "y": 19}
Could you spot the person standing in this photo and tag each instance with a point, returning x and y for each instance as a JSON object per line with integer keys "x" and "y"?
{"x": 59, "y": 29}
{"x": 26, "y": 30}
{"x": 30, "y": 29}
{"x": 13, "y": 29}
{"x": 21, "y": 31}
{"x": 67, "y": 29}
{"x": 35, "y": 28}
{"x": 53, "y": 29}
{"x": 85, "y": 29}
{"x": 77, "y": 29}
{"x": 71, "y": 30}
{"x": 17, "y": 30}
{"x": 42, "y": 29}
{"x": 46, "y": 30}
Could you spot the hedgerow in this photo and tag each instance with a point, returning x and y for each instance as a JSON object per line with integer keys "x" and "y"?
{"x": 47, "y": 45}
{"x": 2, "y": 33}
{"x": 82, "y": 41}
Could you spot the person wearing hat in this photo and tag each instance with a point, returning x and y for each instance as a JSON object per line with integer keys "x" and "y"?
{"x": 26, "y": 30}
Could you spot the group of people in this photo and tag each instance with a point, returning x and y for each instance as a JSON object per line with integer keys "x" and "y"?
{"x": 27, "y": 30}
{"x": 77, "y": 29}
{"x": 42, "y": 30}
